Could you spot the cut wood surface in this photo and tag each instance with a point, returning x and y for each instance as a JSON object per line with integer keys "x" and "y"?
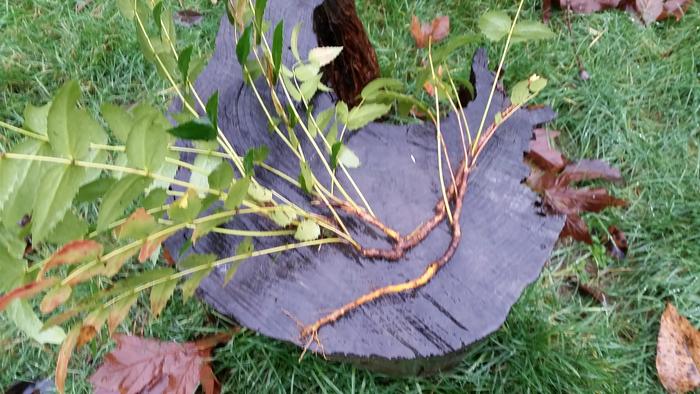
{"x": 505, "y": 240}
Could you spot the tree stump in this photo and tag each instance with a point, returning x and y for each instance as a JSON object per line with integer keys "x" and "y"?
{"x": 505, "y": 240}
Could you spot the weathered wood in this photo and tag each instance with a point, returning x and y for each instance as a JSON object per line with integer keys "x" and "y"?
{"x": 336, "y": 24}
{"x": 504, "y": 244}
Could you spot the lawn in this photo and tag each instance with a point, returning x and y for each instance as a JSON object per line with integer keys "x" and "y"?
{"x": 640, "y": 111}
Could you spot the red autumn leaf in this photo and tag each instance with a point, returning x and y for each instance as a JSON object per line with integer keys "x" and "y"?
{"x": 677, "y": 352}
{"x": 150, "y": 247}
{"x": 576, "y": 228}
{"x": 649, "y": 10}
{"x": 55, "y": 298}
{"x": 586, "y": 170}
{"x": 72, "y": 253}
{"x": 676, "y": 8}
{"x": 617, "y": 244}
{"x": 146, "y": 365}
{"x": 26, "y": 291}
{"x": 542, "y": 154}
{"x": 434, "y": 31}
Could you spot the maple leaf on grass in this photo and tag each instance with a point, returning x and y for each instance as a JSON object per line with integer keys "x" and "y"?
{"x": 677, "y": 352}
{"x": 145, "y": 365}
{"x": 434, "y": 31}
{"x": 646, "y": 11}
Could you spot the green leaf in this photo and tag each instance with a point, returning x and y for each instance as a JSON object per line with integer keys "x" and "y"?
{"x": 520, "y": 93}
{"x": 161, "y": 294}
{"x": 452, "y": 45}
{"x": 321, "y": 121}
{"x": 309, "y": 88}
{"x": 322, "y": 56}
{"x": 186, "y": 208}
{"x": 259, "y": 13}
{"x": 147, "y": 144}
{"x": 94, "y": 190}
{"x": 361, "y": 116}
{"x": 14, "y": 172}
{"x": 369, "y": 92}
{"x": 277, "y": 43}
{"x": 335, "y": 150}
{"x": 291, "y": 88}
{"x": 531, "y": 31}
{"x": 12, "y": 263}
{"x": 306, "y": 177}
{"x": 208, "y": 164}
{"x": 23, "y": 316}
{"x": 254, "y": 156}
{"x": 212, "y": 108}
{"x": 243, "y": 47}
{"x": 537, "y": 84}
{"x": 342, "y": 112}
{"x": 183, "y": 63}
{"x": 138, "y": 225}
{"x": 348, "y": 158}
{"x": 308, "y": 230}
{"x": 126, "y": 8}
{"x": 221, "y": 177}
{"x": 495, "y": 25}
{"x": 155, "y": 199}
{"x": 305, "y": 72}
{"x": 157, "y": 11}
{"x": 70, "y": 228}
{"x": 58, "y": 187}
{"x": 295, "y": 41}
{"x": 119, "y": 197}
{"x": 237, "y": 193}
{"x": 18, "y": 199}
{"x": 118, "y": 120}
{"x": 191, "y": 262}
{"x": 199, "y": 129}
{"x": 283, "y": 215}
{"x": 204, "y": 228}
{"x": 259, "y": 193}
{"x": 36, "y": 118}
{"x": 245, "y": 248}
{"x": 168, "y": 34}
{"x": 70, "y": 130}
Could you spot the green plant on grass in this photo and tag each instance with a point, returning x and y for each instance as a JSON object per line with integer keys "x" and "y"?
{"x": 67, "y": 158}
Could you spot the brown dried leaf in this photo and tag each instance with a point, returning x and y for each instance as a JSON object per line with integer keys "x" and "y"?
{"x": 26, "y": 291}
{"x": 64, "y": 356}
{"x": 567, "y": 201}
{"x": 434, "y": 31}
{"x": 188, "y": 18}
{"x": 542, "y": 154}
{"x": 675, "y": 8}
{"x": 617, "y": 244}
{"x": 72, "y": 253}
{"x": 588, "y": 6}
{"x": 586, "y": 170}
{"x": 649, "y": 10}
{"x": 677, "y": 352}
{"x": 576, "y": 228}
{"x": 146, "y": 365}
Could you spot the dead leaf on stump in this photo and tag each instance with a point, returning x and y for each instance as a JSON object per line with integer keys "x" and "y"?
{"x": 145, "y": 365}
{"x": 677, "y": 352}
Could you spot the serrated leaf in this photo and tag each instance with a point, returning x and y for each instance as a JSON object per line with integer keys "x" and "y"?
{"x": 237, "y": 193}
{"x": 58, "y": 187}
{"x": 244, "y": 249}
{"x": 138, "y": 225}
{"x": 186, "y": 208}
{"x": 23, "y": 191}
{"x": 193, "y": 261}
{"x": 204, "y": 228}
{"x": 277, "y": 43}
{"x": 531, "y": 31}
{"x": 147, "y": 144}
{"x": 495, "y": 25}
{"x": 307, "y": 230}
{"x": 537, "y": 84}
{"x": 295, "y": 41}
{"x": 221, "y": 177}
{"x": 212, "y": 109}
{"x": 306, "y": 177}
{"x": 243, "y": 47}
{"x": 161, "y": 294}
{"x": 200, "y": 129}
{"x": 14, "y": 172}
{"x": 305, "y": 72}
{"x": 25, "y": 292}
{"x": 369, "y": 91}
{"x": 520, "y": 93}
{"x": 322, "y": 56}
{"x": 183, "y": 63}
{"x": 361, "y": 116}
{"x": 309, "y": 88}
{"x": 64, "y": 356}
{"x": 342, "y": 112}
{"x": 96, "y": 189}
{"x": 36, "y": 118}
{"x": 259, "y": 193}
{"x": 55, "y": 298}
{"x": 254, "y": 156}
{"x": 283, "y": 215}
{"x": 291, "y": 88}
{"x": 119, "y": 312}
{"x": 73, "y": 252}
{"x": 201, "y": 179}
{"x": 321, "y": 121}
{"x": 60, "y": 128}
{"x": 71, "y": 227}
{"x": 155, "y": 199}
{"x": 119, "y": 197}
{"x": 24, "y": 318}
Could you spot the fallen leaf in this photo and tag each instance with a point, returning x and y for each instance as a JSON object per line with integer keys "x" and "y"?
{"x": 576, "y": 228}
{"x": 585, "y": 170}
{"x": 675, "y": 8}
{"x": 588, "y": 6}
{"x": 649, "y": 10}
{"x": 188, "y": 18}
{"x": 72, "y": 253}
{"x": 644, "y": 11}
{"x": 617, "y": 244}
{"x": 589, "y": 290}
{"x": 542, "y": 154}
{"x": 434, "y": 31}
{"x": 574, "y": 201}
{"x": 146, "y": 365}
{"x": 677, "y": 352}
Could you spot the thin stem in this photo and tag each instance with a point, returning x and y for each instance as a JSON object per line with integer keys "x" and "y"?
{"x": 24, "y": 132}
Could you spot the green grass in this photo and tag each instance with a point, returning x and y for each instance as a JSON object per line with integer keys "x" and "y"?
{"x": 640, "y": 110}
